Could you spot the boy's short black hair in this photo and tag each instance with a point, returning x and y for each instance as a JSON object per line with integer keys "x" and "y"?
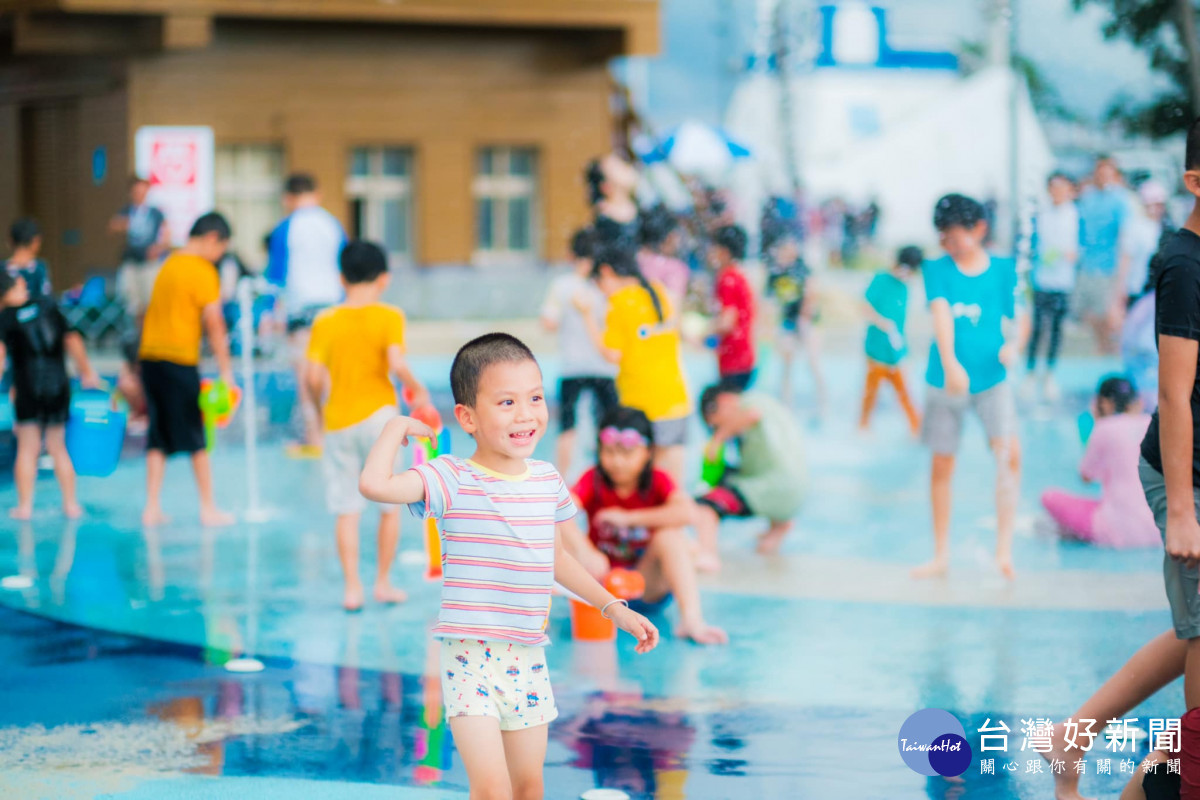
{"x": 362, "y": 262}
{"x": 910, "y": 257}
{"x": 583, "y": 243}
{"x": 708, "y": 398}
{"x": 212, "y": 222}
{"x": 299, "y": 183}
{"x": 24, "y": 231}
{"x": 657, "y": 223}
{"x": 1191, "y": 159}
{"x": 734, "y": 239}
{"x": 958, "y": 210}
{"x": 477, "y": 355}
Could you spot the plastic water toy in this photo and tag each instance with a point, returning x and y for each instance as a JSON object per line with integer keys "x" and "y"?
{"x": 95, "y": 433}
{"x": 713, "y": 469}
{"x": 218, "y": 403}
{"x": 1086, "y": 423}
{"x": 588, "y": 624}
{"x": 427, "y": 450}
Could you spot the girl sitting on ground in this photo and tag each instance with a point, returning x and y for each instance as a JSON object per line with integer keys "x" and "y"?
{"x": 636, "y": 516}
{"x": 1120, "y": 518}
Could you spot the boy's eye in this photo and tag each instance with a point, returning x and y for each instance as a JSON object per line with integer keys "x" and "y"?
{"x": 537, "y": 398}
{"x": 506, "y": 402}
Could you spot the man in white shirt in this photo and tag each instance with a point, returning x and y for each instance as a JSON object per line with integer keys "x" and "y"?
{"x": 303, "y": 253}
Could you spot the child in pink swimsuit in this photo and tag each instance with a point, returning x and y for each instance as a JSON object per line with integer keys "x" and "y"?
{"x": 1120, "y": 518}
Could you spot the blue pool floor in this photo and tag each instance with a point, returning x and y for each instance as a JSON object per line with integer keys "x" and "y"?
{"x": 115, "y": 651}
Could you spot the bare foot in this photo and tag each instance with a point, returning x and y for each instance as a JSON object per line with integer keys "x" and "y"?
{"x": 934, "y": 569}
{"x": 216, "y": 518}
{"x": 770, "y": 542}
{"x": 386, "y": 593}
{"x": 154, "y": 517}
{"x": 702, "y": 633}
{"x": 21, "y": 513}
{"x": 1005, "y": 566}
{"x": 352, "y": 600}
{"x": 1066, "y": 783}
{"x": 72, "y": 510}
{"x": 707, "y": 562}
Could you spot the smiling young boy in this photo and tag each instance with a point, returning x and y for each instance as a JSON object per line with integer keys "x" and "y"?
{"x": 977, "y": 335}
{"x": 502, "y": 551}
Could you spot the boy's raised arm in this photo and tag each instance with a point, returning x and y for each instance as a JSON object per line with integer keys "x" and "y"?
{"x": 378, "y": 482}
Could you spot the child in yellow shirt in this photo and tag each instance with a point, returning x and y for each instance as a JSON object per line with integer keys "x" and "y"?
{"x": 355, "y": 349}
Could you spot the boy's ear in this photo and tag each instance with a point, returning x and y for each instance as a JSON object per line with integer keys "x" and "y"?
{"x": 1191, "y": 182}
{"x": 466, "y": 418}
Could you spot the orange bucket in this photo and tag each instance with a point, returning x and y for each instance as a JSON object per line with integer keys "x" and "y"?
{"x": 587, "y": 624}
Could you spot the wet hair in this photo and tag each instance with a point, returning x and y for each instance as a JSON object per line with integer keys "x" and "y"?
{"x": 593, "y": 175}
{"x": 212, "y": 222}
{"x": 958, "y": 211}
{"x": 583, "y": 243}
{"x": 299, "y": 183}
{"x": 708, "y": 398}
{"x": 24, "y": 231}
{"x": 1059, "y": 175}
{"x": 362, "y": 262}
{"x": 734, "y": 239}
{"x": 910, "y": 257}
{"x": 1191, "y": 159}
{"x": 656, "y": 224}
{"x": 623, "y": 417}
{"x": 477, "y": 355}
{"x": 618, "y": 256}
{"x": 1120, "y": 390}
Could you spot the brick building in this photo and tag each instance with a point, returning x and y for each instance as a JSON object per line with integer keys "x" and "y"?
{"x": 455, "y": 131}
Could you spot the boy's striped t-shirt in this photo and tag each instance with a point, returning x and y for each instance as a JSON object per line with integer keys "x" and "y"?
{"x": 497, "y": 547}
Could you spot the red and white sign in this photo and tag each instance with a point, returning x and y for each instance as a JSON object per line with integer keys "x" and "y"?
{"x": 178, "y": 162}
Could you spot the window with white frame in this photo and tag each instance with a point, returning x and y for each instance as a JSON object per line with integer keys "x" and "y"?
{"x": 506, "y": 204}
{"x": 248, "y": 184}
{"x": 379, "y": 190}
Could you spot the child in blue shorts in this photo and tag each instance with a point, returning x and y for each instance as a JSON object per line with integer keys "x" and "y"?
{"x": 502, "y": 551}
{"x": 977, "y": 334}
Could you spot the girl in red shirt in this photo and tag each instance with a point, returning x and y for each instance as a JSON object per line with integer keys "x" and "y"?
{"x": 636, "y": 516}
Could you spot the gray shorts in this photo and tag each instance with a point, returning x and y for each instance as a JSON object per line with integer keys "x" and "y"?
{"x": 1182, "y": 583}
{"x": 1092, "y": 296}
{"x": 941, "y": 430}
{"x": 342, "y": 461}
{"x": 671, "y": 432}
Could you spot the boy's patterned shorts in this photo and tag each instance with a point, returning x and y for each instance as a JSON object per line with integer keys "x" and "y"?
{"x": 497, "y": 679}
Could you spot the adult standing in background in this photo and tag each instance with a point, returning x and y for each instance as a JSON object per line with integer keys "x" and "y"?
{"x": 147, "y": 240}
{"x": 303, "y": 253}
{"x": 1103, "y": 212}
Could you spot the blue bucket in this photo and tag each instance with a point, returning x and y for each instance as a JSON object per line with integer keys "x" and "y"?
{"x": 95, "y": 434}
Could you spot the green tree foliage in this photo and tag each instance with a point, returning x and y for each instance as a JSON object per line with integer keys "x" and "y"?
{"x": 1166, "y": 31}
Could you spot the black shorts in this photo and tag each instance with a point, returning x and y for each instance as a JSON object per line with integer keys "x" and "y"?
{"x": 173, "y": 400}
{"x": 29, "y": 409}
{"x": 604, "y": 398}
{"x": 1161, "y": 784}
{"x": 726, "y": 501}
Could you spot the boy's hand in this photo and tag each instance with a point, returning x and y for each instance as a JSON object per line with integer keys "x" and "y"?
{"x": 638, "y": 626}
{"x": 1008, "y": 354}
{"x": 957, "y": 380}
{"x": 1183, "y": 539}
{"x": 227, "y": 377}
{"x": 404, "y": 427}
{"x": 90, "y": 380}
{"x": 420, "y": 398}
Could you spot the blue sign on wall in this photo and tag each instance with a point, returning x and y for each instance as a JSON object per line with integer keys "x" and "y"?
{"x": 99, "y": 165}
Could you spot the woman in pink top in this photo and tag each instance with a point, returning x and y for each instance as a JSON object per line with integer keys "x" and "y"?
{"x": 1120, "y": 518}
{"x": 656, "y": 256}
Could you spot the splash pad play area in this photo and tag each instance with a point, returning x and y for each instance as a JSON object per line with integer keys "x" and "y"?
{"x": 120, "y": 638}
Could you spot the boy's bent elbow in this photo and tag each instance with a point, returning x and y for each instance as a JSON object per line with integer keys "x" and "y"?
{"x": 368, "y": 487}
